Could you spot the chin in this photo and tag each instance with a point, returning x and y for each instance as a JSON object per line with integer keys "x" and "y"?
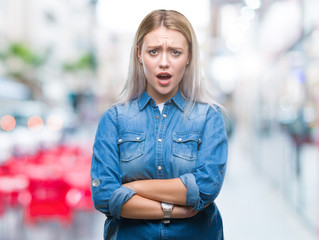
{"x": 167, "y": 92}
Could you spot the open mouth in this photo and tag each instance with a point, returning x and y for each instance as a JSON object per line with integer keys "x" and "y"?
{"x": 164, "y": 78}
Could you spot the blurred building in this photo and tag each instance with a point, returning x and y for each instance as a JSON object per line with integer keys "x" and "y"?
{"x": 264, "y": 58}
{"x": 62, "y": 33}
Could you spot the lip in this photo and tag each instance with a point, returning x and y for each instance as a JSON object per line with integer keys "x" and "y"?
{"x": 164, "y": 78}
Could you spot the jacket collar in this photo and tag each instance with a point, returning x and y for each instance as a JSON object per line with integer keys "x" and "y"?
{"x": 178, "y": 99}
{"x": 143, "y": 100}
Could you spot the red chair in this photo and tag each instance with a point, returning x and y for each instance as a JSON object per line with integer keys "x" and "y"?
{"x": 78, "y": 163}
{"x": 58, "y": 184}
{"x": 79, "y": 194}
{"x": 12, "y": 186}
{"x": 48, "y": 201}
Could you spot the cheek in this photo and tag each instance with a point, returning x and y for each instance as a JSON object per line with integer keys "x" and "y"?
{"x": 181, "y": 71}
{"x": 146, "y": 70}
{"x": 148, "y": 67}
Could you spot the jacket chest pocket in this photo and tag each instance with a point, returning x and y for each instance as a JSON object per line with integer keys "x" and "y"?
{"x": 185, "y": 145}
{"x": 131, "y": 145}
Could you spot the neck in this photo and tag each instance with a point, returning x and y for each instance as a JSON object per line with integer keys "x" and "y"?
{"x": 160, "y": 98}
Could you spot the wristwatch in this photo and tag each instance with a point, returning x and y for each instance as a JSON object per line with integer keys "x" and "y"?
{"x": 167, "y": 209}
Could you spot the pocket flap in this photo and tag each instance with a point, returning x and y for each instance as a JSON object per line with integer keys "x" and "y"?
{"x": 189, "y": 136}
{"x": 131, "y": 137}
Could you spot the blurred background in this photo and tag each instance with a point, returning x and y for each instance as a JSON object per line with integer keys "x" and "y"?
{"x": 63, "y": 63}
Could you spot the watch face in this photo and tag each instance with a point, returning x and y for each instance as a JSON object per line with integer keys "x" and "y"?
{"x": 167, "y": 206}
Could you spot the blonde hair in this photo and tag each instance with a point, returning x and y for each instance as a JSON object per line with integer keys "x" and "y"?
{"x": 191, "y": 86}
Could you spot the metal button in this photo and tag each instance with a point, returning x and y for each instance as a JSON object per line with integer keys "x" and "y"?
{"x": 96, "y": 182}
{"x": 180, "y": 139}
{"x": 199, "y": 139}
{"x": 137, "y": 138}
{"x": 160, "y": 140}
{"x": 159, "y": 168}
{"x": 164, "y": 115}
{"x": 120, "y": 140}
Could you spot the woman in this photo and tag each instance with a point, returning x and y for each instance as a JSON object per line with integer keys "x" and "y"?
{"x": 160, "y": 153}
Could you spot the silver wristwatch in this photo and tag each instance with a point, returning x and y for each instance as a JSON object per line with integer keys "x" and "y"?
{"x": 167, "y": 209}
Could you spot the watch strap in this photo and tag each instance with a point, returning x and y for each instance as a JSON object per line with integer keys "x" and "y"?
{"x": 167, "y": 214}
{"x": 166, "y": 221}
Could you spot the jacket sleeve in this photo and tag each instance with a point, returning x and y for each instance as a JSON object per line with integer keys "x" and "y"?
{"x": 205, "y": 181}
{"x": 108, "y": 194}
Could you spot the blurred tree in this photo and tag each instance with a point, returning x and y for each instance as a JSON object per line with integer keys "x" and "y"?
{"x": 83, "y": 69}
{"x": 21, "y": 64}
{"x": 85, "y": 62}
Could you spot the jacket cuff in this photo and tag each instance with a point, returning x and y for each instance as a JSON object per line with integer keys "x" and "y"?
{"x": 192, "y": 195}
{"x": 118, "y": 198}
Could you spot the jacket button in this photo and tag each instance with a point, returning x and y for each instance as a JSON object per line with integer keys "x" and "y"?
{"x": 160, "y": 140}
{"x": 120, "y": 140}
{"x": 159, "y": 168}
{"x": 180, "y": 139}
{"x": 164, "y": 115}
{"x": 96, "y": 183}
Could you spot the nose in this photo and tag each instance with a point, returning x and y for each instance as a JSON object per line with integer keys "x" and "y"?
{"x": 164, "y": 61}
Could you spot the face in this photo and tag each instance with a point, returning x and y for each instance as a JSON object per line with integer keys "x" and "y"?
{"x": 164, "y": 55}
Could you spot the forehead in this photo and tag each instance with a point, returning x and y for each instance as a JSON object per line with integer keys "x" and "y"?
{"x": 163, "y": 35}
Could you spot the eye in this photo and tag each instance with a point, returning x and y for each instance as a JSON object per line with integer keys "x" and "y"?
{"x": 153, "y": 52}
{"x": 176, "y": 53}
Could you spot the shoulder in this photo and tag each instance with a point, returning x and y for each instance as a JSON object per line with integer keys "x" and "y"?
{"x": 128, "y": 110}
{"x": 109, "y": 115}
{"x": 204, "y": 109}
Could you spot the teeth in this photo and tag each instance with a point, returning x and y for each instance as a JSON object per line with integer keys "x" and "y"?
{"x": 163, "y": 76}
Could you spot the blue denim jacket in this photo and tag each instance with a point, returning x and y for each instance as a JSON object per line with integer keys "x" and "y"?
{"x": 135, "y": 141}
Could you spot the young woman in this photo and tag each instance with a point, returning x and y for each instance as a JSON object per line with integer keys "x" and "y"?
{"x": 160, "y": 152}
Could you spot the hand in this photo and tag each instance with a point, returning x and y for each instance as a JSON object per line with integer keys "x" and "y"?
{"x": 183, "y": 212}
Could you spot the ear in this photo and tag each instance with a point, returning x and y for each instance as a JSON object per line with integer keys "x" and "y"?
{"x": 139, "y": 55}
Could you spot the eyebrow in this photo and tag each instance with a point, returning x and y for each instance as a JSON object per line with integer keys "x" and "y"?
{"x": 160, "y": 46}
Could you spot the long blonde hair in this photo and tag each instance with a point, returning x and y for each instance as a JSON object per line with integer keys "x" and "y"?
{"x": 191, "y": 86}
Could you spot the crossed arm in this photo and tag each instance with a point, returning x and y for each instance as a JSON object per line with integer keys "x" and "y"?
{"x": 141, "y": 199}
{"x": 146, "y": 203}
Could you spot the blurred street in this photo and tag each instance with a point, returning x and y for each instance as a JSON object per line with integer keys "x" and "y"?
{"x": 253, "y": 207}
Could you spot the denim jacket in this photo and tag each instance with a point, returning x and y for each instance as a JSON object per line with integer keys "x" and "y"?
{"x": 135, "y": 141}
